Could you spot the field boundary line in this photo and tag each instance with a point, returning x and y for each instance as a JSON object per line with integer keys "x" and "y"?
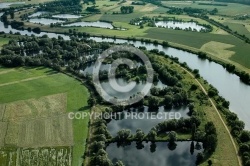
{"x": 25, "y": 80}
{"x": 4, "y": 141}
{"x": 6, "y": 71}
{"x": 2, "y": 120}
{"x": 20, "y": 119}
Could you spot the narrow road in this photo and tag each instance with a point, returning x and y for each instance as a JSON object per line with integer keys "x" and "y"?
{"x": 217, "y": 111}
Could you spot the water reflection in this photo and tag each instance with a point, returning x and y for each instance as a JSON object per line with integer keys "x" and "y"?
{"x": 146, "y": 120}
{"x": 45, "y": 21}
{"x": 98, "y": 24}
{"x": 66, "y": 16}
{"x": 37, "y": 14}
{"x": 181, "y": 25}
{"x": 228, "y": 85}
{"x": 157, "y": 154}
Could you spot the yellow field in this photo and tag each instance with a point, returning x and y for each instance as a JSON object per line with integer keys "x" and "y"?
{"x": 218, "y": 49}
{"x": 248, "y": 27}
{"x": 39, "y": 122}
{"x": 219, "y": 32}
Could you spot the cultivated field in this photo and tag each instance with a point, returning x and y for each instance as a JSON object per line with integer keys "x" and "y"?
{"x": 35, "y": 128}
{"x": 26, "y": 1}
{"x": 232, "y": 9}
{"x": 31, "y": 156}
{"x": 219, "y": 49}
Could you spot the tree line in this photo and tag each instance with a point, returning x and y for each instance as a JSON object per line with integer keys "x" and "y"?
{"x": 62, "y": 6}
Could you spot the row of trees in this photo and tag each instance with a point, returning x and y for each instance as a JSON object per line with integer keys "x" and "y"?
{"x": 62, "y": 6}
{"x": 97, "y": 146}
{"x": 225, "y": 27}
{"x": 245, "y": 147}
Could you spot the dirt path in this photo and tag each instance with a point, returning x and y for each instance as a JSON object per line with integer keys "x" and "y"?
{"x": 24, "y": 80}
{"x": 217, "y": 111}
{"x": 6, "y": 71}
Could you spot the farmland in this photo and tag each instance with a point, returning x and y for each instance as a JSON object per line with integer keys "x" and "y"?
{"x": 26, "y": 1}
{"x": 231, "y": 9}
{"x": 35, "y": 101}
{"x": 34, "y": 119}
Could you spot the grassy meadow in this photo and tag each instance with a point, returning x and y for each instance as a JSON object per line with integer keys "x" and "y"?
{"x": 3, "y": 41}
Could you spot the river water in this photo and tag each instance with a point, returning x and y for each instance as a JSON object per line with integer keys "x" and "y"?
{"x": 228, "y": 85}
{"x": 181, "y": 25}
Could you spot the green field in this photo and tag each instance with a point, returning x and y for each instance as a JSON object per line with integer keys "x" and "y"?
{"x": 240, "y": 28}
{"x": 26, "y": 1}
{"x": 121, "y": 17}
{"x": 241, "y": 49}
{"x": 3, "y": 41}
{"x": 232, "y": 9}
{"x": 34, "y": 83}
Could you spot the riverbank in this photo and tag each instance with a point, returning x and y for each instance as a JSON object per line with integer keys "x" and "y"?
{"x": 215, "y": 115}
{"x": 205, "y": 110}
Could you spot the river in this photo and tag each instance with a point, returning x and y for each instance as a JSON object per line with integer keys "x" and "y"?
{"x": 228, "y": 85}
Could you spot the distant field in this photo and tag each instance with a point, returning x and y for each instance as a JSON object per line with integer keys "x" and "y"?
{"x": 240, "y": 28}
{"x": 18, "y": 74}
{"x": 232, "y": 9}
{"x": 36, "y": 112}
{"x": 27, "y": 1}
{"x": 121, "y": 17}
{"x": 241, "y": 49}
{"x": 218, "y": 49}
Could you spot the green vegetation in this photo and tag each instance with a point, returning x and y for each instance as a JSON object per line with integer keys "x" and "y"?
{"x": 51, "y": 83}
{"x": 223, "y": 44}
{"x": 231, "y": 9}
{"x": 63, "y": 6}
{"x": 3, "y": 41}
{"x": 239, "y": 58}
{"x": 240, "y": 49}
{"x": 239, "y": 28}
{"x": 127, "y": 9}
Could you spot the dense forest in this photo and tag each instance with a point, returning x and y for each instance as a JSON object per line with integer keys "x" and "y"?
{"x": 62, "y": 6}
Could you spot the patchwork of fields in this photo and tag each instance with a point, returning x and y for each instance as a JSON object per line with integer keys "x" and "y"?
{"x": 35, "y": 128}
{"x": 231, "y": 9}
